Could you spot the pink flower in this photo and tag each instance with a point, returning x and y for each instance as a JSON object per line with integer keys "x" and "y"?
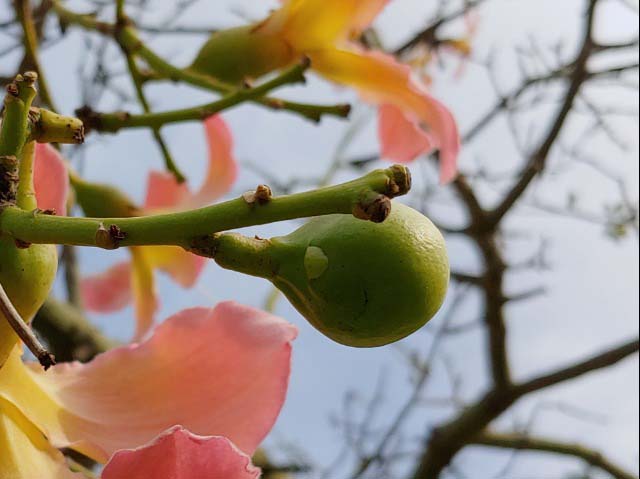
{"x": 134, "y": 280}
{"x": 220, "y": 373}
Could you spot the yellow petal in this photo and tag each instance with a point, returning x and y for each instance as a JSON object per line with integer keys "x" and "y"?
{"x": 312, "y": 24}
{"x": 183, "y": 267}
{"x": 24, "y": 451}
{"x": 144, "y": 292}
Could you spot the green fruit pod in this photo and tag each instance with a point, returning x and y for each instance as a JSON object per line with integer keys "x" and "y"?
{"x": 360, "y": 283}
{"x": 240, "y": 54}
{"x": 27, "y": 275}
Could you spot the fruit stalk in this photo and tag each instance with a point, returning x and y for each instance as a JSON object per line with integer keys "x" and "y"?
{"x": 239, "y": 253}
{"x": 26, "y": 196}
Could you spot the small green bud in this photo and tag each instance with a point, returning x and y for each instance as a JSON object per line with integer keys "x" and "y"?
{"x": 240, "y": 54}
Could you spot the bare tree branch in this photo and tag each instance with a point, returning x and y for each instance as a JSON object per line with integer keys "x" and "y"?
{"x": 599, "y": 361}
{"x": 523, "y": 442}
{"x": 538, "y": 160}
{"x": 446, "y": 441}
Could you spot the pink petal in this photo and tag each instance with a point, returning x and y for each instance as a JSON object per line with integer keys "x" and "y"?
{"x": 221, "y": 371}
{"x": 401, "y": 138}
{"x": 179, "y": 454}
{"x": 163, "y": 191}
{"x": 50, "y": 179}
{"x": 222, "y": 169}
{"x": 381, "y": 79}
{"x": 108, "y": 291}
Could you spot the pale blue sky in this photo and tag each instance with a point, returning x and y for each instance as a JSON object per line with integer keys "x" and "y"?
{"x": 592, "y": 298}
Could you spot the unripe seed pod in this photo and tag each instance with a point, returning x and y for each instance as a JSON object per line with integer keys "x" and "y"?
{"x": 240, "y": 54}
{"x": 102, "y": 201}
{"x": 361, "y": 284}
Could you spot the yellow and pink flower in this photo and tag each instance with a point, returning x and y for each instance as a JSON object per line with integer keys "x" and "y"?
{"x": 194, "y": 400}
{"x": 412, "y": 122}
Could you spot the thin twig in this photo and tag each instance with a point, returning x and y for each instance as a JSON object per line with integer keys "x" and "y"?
{"x": 523, "y": 442}
{"x": 24, "y": 332}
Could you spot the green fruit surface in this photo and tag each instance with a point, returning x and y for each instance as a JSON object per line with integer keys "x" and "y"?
{"x": 27, "y": 276}
{"x": 378, "y": 282}
{"x": 241, "y": 53}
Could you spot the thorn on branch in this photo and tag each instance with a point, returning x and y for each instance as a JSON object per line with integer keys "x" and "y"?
{"x": 111, "y": 238}
{"x": 261, "y": 195}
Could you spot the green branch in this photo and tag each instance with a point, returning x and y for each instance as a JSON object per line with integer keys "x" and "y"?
{"x": 187, "y": 229}
{"x": 134, "y": 72}
{"x": 26, "y": 195}
{"x": 128, "y": 38}
{"x": 112, "y": 122}
{"x": 13, "y": 133}
{"x": 15, "y": 123}
{"x": 49, "y": 127}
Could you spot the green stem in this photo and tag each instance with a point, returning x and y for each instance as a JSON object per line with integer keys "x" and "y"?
{"x": 15, "y": 121}
{"x": 129, "y": 39}
{"x": 239, "y": 253}
{"x": 170, "y": 165}
{"x": 13, "y": 133}
{"x": 188, "y": 228}
{"x": 50, "y": 127}
{"x": 112, "y": 122}
{"x": 26, "y": 197}
{"x": 120, "y": 15}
